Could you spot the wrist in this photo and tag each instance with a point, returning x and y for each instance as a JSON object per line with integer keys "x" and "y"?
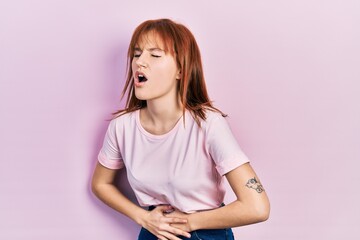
{"x": 193, "y": 222}
{"x": 140, "y": 217}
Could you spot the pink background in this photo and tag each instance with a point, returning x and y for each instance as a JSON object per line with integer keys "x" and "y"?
{"x": 287, "y": 73}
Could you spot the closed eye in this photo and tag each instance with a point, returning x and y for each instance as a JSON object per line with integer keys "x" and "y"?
{"x": 157, "y": 56}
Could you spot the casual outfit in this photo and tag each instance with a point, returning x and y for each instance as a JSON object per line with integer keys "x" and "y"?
{"x": 182, "y": 168}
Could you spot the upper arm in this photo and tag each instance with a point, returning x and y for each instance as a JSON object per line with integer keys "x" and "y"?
{"x": 248, "y": 188}
{"x": 223, "y": 146}
{"x": 103, "y": 175}
{"x": 110, "y": 154}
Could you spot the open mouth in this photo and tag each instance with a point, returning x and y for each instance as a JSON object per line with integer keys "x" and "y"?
{"x": 140, "y": 77}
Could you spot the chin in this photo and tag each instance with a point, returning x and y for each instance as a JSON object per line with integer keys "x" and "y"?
{"x": 141, "y": 96}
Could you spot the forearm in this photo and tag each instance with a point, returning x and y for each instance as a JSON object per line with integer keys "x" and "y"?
{"x": 154, "y": 221}
{"x": 233, "y": 215}
{"x": 252, "y": 204}
{"x": 112, "y": 197}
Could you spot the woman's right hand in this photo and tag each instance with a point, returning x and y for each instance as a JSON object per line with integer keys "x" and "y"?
{"x": 158, "y": 224}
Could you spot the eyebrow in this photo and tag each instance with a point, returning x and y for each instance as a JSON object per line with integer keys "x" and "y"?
{"x": 149, "y": 49}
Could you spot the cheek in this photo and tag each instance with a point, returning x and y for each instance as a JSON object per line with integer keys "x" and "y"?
{"x": 168, "y": 70}
{"x": 133, "y": 65}
{"x": 167, "y": 77}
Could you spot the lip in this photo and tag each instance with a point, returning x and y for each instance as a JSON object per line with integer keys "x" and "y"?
{"x": 137, "y": 83}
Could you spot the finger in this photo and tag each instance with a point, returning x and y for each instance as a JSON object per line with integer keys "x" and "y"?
{"x": 174, "y": 230}
{"x": 164, "y": 208}
{"x": 168, "y": 229}
{"x": 168, "y": 235}
{"x": 174, "y": 220}
{"x": 176, "y": 213}
{"x": 177, "y": 231}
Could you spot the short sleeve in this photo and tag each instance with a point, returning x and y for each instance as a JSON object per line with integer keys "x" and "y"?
{"x": 109, "y": 155}
{"x": 223, "y": 147}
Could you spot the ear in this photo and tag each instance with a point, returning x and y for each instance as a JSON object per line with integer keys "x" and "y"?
{"x": 178, "y": 75}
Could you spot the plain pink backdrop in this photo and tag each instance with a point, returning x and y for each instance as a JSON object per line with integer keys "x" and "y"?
{"x": 286, "y": 72}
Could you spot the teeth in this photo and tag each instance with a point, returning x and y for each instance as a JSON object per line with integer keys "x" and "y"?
{"x": 141, "y": 78}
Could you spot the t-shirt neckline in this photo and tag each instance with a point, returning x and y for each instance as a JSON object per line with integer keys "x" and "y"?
{"x": 156, "y": 136}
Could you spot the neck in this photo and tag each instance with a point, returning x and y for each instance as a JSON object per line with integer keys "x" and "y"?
{"x": 159, "y": 111}
{"x": 160, "y": 116}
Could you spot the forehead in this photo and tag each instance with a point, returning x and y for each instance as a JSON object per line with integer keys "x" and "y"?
{"x": 150, "y": 40}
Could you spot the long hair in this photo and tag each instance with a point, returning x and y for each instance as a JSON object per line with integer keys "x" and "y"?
{"x": 180, "y": 42}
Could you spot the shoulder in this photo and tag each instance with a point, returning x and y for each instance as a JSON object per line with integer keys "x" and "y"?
{"x": 123, "y": 119}
{"x": 213, "y": 117}
{"x": 214, "y": 121}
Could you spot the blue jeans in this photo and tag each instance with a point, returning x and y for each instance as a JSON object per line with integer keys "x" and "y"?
{"x": 205, "y": 234}
{"x": 202, "y": 234}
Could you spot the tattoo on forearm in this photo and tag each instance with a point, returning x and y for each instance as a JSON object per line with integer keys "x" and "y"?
{"x": 255, "y": 184}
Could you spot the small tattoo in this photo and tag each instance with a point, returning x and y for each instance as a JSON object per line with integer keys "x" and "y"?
{"x": 254, "y": 184}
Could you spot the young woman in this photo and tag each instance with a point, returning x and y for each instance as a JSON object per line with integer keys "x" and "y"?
{"x": 176, "y": 146}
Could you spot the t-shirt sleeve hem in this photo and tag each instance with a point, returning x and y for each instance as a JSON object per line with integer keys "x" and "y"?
{"x": 111, "y": 164}
{"x": 230, "y": 165}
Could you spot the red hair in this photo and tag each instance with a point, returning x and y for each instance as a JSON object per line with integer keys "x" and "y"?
{"x": 180, "y": 42}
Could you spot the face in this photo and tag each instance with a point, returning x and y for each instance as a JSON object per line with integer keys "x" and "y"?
{"x": 155, "y": 72}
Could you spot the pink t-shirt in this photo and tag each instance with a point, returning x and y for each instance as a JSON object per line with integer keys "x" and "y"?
{"x": 183, "y": 168}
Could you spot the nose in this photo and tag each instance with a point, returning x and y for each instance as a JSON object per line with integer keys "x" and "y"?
{"x": 141, "y": 62}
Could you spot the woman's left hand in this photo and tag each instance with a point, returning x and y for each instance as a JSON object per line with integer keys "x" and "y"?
{"x": 178, "y": 214}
